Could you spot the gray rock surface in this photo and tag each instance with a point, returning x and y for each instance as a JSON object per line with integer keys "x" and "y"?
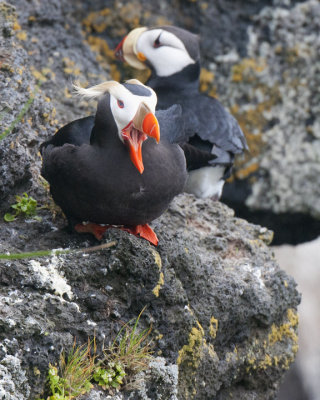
{"x": 223, "y": 313}
{"x": 274, "y": 92}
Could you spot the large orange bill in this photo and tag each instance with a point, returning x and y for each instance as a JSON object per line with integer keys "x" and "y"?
{"x": 144, "y": 124}
{"x": 150, "y": 126}
{"x": 135, "y": 141}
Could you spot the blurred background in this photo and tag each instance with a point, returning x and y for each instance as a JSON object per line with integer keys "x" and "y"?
{"x": 262, "y": 60}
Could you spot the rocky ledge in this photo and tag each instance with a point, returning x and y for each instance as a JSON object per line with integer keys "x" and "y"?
{"x": 223, "y": 313}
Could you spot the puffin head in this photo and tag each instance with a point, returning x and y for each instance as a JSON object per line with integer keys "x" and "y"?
{"x": 165, "y": 49}
{"x": 131, "y": 106}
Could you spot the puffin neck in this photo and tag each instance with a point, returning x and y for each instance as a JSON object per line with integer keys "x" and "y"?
{"x": 104, "y": 131}
{"x": 103, "y": 135}
{"x": 188, "y": 78}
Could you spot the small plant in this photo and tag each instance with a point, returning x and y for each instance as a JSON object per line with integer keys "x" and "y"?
{"x": 131, "y": 349}
{"x": 25, "y": 205}
{"x": 74, "y": 374}
{"x": 129, "y": 354}
{"x": 112, "y": 377}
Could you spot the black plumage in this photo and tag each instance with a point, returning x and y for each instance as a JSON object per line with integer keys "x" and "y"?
{"x": 93, "y": 179}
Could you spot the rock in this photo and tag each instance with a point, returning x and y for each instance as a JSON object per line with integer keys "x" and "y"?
{"x": 13, "y": 381}
{"x": 223, "y": 313}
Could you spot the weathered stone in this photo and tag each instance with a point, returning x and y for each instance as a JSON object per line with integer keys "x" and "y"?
{"x": 223, "y": 311}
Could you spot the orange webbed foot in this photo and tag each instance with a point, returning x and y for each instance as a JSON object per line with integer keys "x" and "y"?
{"x": 143, "y": 231}
{"x": 96, "y": 229}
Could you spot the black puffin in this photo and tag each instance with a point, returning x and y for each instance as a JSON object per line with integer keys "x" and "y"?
{"x": 113, "y": 168}
{"x": 212, "y": 135}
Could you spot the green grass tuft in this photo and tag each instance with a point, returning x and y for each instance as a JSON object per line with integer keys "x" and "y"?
{"x": 129, "y": 354}
{"x": 72, "y": 378}
{"x": 131, "y": 349}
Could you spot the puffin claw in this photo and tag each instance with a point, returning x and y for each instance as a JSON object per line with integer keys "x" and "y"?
{"x": 96, "y": 229}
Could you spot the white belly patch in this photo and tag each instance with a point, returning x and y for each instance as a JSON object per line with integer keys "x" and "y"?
{"x": 205, "y": 182}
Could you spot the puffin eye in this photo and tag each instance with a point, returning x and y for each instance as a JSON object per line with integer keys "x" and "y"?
{"x": 157, "y": 43}
{"x": 120, "y": 103}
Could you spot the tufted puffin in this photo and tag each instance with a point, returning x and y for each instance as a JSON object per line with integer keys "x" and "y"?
{"x": 113, "y": 168}
{"x": 212, "y": 135}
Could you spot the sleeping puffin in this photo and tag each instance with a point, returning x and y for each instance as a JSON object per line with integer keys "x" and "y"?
{"x": 212, "y": 136}
{"x": 113, "y": 168}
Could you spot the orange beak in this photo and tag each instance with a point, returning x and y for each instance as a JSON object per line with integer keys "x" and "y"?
{"x": 144, "y": 124}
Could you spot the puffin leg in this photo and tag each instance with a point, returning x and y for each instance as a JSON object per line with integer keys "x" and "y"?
{"x": 96, "y": 229}
{"x": 143, "y": 231}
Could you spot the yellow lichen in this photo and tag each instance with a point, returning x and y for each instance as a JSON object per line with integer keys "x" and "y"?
{"x": 16, "y": 26}
{"x": 22, "y": 35}
{"x": 66, "y": 93}
{"x": 160, "y": 283}
{"x": 285, "y": 331}
{"x": 37, "y": 74}
{"x": 191, "y": 352}
{"x": 101, "y": 46}
{"x": 189, "y": 359}
{"x": 48, "y": 72}
{"x": 96, "y": 21}
{"x": 258, "y": 359}
{"x": 247, "y": 69}
{"x": 247, "y": 170}
{"x": 69, "y": 67}
{"x": 206, "y": 79}
{"x": 253, "y": 122}
{"x": 213, "y": 328}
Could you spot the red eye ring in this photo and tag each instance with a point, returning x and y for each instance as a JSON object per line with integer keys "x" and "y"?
{"x": 120, "y": 103}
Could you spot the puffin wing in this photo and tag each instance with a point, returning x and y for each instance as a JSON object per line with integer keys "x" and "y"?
{"x": 171, "y": 121}
{"x": 76, "y": 132}
{"x": 56, "y": 160}
{"x": 210, "y": 121}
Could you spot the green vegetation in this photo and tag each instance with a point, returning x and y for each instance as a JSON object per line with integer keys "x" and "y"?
{"x": 129, "y": 354}
{"x": 25, "y": 205}
{"x": 130, "y": 349}
{"x": 46, "y": 253}
{"x": 112, "y": 377}
{"x": 74, "y": 374}
{"x": 21, "y": 114}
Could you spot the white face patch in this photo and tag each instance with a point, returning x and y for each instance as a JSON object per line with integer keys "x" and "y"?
{"x": 165, "y": 52}
{"x": 124, "y": 105}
